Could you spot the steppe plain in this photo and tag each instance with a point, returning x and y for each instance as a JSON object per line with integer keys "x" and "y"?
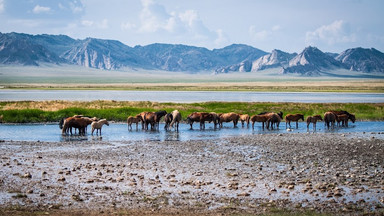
{"x": 262, "y": 174}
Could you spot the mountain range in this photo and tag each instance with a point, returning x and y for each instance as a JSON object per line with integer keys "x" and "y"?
{"x": 25, "y": 49}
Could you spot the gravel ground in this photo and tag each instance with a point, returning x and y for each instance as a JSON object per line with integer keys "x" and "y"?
{"x": 253, "y": 174}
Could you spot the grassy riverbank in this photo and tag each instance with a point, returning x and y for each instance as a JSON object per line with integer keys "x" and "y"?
{"x": 53, "y": 111}
{"x": 371, "y": 86}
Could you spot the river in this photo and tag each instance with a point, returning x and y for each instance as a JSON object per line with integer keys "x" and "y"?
{"x": 190, "y": 96}
{"x": 119, "y": 132}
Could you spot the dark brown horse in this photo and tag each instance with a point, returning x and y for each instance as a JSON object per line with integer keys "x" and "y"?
{"x": 168, "y": 120}
{"x": 229, "y": 117}
{"x": 329, "y": 119}
{"x": 201, "y": 117}
{"x": 313, "y": 120}
{"x": 274, "y": 119}
{"x": 153, "y": 118}
{"x": 351, "y": 117}
{"x": 79, "y": 123}
{"x": 294, "y": 118}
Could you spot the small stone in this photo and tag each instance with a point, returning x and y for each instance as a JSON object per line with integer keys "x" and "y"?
{"x": 243, "y": 194}
{"x": 27, "y": 175}
{"x": 61, "y": 178}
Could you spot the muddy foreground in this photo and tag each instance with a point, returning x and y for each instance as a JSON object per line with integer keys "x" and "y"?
{"x": 255, "y": 174}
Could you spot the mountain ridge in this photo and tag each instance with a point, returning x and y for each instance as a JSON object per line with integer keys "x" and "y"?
{"x": 25, "y": 49}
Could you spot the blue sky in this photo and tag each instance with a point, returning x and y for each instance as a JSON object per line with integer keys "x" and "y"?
{"x": 289, "y": 25}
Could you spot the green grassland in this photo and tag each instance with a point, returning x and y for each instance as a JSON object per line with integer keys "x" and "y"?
{"x": 29, "y": 112}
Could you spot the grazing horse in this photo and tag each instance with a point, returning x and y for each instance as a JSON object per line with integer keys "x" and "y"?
{"x": 98, "y": 125}
{"x": 131, "y": 120}
{"x": 69, "y": 129}
{"x": 201, "y": 117}
{"x": 274, "y": 118}
{"x": 153, "y": 118}
{"x": 293, "y": 117}
{"x": 259, "y": 118}
{"x": 313, "y": 120}
{"x": 329, "y": 119}
{"x": 79, "y": 123}
{"x": 267, "y": 118}
{"x": 343, "y": 118}
{"x": 215, "y": 119}
{"x": 244, "y": 118}
{"x": 352, "y": 117}
{"x": 176, "y": 118}
{"x": 229, "y": 117}
{"x": 168, "y": 119}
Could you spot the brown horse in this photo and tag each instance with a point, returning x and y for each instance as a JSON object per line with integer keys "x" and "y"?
{"x": 131, "y": 120}
{"x": 329, "y": 119}
{"x": 351, "y": 117}
{"x": 313, "y": 120}
{"x": 259, "y": 118}
{"x": 244, "y": 118}
{"x": 79, "y": 123}
{"x": 153, "y": 118}
{"x": 142, "y": 118}
{"x": 343, "y": 118}
{"x": 293, "y": 117}
{"x": 229, "y": 117}
{"x": 201, "y": 117}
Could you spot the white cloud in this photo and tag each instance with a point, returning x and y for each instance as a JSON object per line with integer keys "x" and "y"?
{"x": 336, "y": 32}
{"x": 87, "y": 23}
{"x": 99, "y": 25}
{"x": 1, "y": 6}
{"x": 127, "y": 26}
{"x": 103, "y": 24}
{"x": 41, "y": 9}
{"x": 75, "y": 7}
{"x": 154, "y": 18}
{"x": 262, "y": 35}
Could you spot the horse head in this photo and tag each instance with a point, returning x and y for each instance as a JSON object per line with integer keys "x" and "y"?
{"x": 352, "y": 117}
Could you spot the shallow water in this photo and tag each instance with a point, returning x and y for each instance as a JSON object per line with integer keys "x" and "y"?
{"x": 119, "y": 132}
{"x": 190, "y": 96}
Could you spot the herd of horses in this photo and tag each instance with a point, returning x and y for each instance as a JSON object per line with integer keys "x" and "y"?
{"x": 269, "y": 120}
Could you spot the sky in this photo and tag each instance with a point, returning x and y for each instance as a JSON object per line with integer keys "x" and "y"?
{"x": 288, "y": 25}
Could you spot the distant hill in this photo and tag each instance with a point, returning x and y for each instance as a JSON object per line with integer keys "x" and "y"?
{"x": 25, "y": 49}
{"x": 360, "y": 59}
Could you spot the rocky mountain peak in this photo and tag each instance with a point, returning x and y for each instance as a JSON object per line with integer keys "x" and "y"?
{"x": 360, "y": 59}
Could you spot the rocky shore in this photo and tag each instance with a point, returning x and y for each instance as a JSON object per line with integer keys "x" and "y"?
{"x": 253, "y": 174}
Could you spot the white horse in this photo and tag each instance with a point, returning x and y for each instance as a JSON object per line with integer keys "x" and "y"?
{"x": 98, "y": 125}
{"x": 176, "y": 118}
